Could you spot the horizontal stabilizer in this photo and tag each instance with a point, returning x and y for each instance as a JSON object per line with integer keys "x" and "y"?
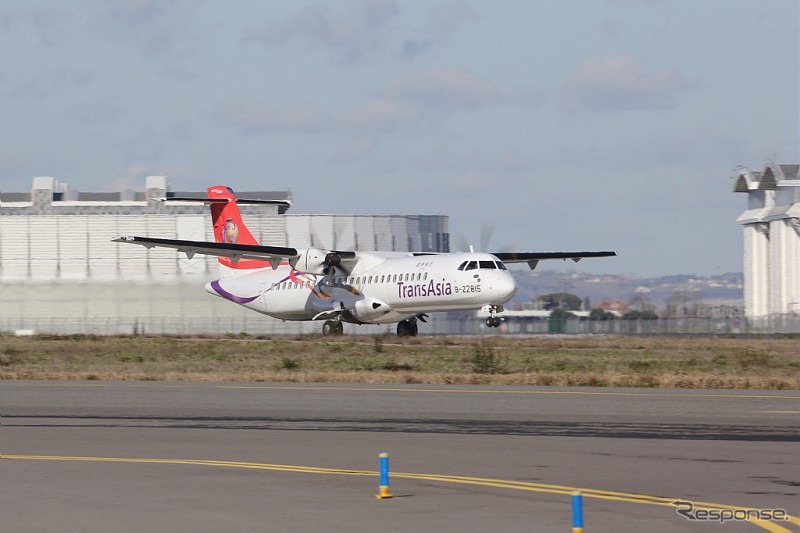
{"x": 252, "y": 201}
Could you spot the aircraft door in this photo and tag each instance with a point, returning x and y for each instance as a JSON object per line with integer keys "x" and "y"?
{"x": 264, "y": 299}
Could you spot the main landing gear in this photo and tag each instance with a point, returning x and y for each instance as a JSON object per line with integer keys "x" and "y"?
{"x": 407, "y": 328}
{"x": 332, "y": 327}
{"x": 493, "y": 321}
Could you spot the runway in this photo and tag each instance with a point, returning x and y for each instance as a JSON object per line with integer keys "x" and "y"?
{"x": 133, "y": 456}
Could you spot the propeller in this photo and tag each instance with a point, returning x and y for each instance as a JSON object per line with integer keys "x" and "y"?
{"x": 332, "y": 264}
{"x": 332, "y": 260}
{"x": 487, "y": 232}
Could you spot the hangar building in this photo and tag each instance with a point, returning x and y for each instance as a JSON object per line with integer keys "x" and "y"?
{"x": 771, "y": 242}
{"x": 60, "y": 271}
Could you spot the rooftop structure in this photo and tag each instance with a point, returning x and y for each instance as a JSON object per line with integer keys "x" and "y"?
{"x": 55, "y": 233}
{"x": 771, "y": 240}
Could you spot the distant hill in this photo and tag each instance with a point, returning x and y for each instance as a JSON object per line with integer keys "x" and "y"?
{"x": 720, "y": 289}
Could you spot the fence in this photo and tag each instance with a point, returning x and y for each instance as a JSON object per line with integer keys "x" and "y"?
{"x": 442, "y": 324}
{"x": 186, "y": 309}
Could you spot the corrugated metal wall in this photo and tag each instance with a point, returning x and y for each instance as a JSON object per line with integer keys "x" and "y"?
{"x": 79, "y": 247}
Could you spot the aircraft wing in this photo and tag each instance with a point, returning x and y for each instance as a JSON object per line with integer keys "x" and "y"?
{"x": 273, "y": 254}
{"x": 309, "y": 260}
{"x": 533, "y": 258}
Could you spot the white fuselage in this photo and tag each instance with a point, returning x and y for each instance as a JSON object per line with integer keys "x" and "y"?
{"x": 383, "y": 288}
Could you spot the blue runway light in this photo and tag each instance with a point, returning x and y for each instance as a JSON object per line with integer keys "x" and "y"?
{"x": 577, "y": 512}
{"x": 383, "y": 462}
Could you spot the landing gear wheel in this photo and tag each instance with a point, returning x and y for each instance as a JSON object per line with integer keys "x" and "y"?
{"x": 407, "y": 328}
{"x": 332, "y": 327}
{"x": 493, "y": 322}
{"x": 402, "y": 328}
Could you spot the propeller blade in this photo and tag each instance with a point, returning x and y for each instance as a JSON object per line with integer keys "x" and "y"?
{"x": 487, "y": 231}
{"x": 461, "y": 243}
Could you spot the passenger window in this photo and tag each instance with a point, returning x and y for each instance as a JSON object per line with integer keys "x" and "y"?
{"x": 382, "y": 277}
{"x": 406, "y": 277}
{"x": 358, "y": 281}
{"x": 425, "y": 276}
{"x": 351, "y": 281}
{"x": 488, "y": 265}
{"x": 370, "y": 279}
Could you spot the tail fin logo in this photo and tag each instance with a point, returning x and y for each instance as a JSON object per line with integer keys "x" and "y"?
{"x": 230, "y": 232}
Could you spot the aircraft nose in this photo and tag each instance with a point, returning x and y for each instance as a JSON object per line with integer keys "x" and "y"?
{"x": 506, "y": 287}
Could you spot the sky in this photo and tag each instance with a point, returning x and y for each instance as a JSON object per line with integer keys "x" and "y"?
{"x": 564, "y": 124}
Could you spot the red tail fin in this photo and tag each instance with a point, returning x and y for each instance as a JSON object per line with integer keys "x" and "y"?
{"x": 229, "y": 228}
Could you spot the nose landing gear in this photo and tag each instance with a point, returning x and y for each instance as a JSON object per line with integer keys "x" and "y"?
{"x": 494, "y": 321}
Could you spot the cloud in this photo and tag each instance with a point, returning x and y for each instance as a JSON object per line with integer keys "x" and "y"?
{"x": 154, "y": 26}
{"x": 444, "y": 88}
{"x": 101, "y": 111}
{"x": 423, "y": 99}
{"x": 697, "y": 148}
{"x": 355, "y": 150}
{"x": 442, "y": 22}
{"x": 620, "y": 83}
{"x": 508, "y": 161}
{"x": 415, "y": 102}
{"x": 385, "y": 115}
{"x": 48, "y": 24}
{"x": 47, "y": 83}
{"x": 132, "y": 176}
{"x": 358, "y": 30}
{"x": 252, "y": 118}
{"x": 362, "y": 29}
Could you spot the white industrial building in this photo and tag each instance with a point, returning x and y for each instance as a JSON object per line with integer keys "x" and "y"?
{"x": 60, "y": 271}
{"x": 771, "y": 242}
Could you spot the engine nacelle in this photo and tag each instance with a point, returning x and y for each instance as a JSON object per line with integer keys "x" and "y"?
{"x": 369, "y": 309}
{"x": 311, "y": 261}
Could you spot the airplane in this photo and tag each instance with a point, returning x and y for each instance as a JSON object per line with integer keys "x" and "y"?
{"x": 337, "y": 286}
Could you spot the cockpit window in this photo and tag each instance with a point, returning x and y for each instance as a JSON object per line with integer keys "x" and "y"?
{"x": 472, "y": 265}
{"x": 462, "y": 265}
{"x": 489, "y": 265}
{"x": 501, "y": 266}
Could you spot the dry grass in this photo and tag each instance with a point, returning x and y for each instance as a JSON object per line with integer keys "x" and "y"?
{"x": 687, "y": 362}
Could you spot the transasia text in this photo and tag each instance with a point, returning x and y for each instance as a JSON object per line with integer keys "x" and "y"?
{"x": 409, "y": 290}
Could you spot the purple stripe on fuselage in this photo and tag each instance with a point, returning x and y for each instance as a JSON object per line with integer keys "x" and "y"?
{"x": 232, "y": 297}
